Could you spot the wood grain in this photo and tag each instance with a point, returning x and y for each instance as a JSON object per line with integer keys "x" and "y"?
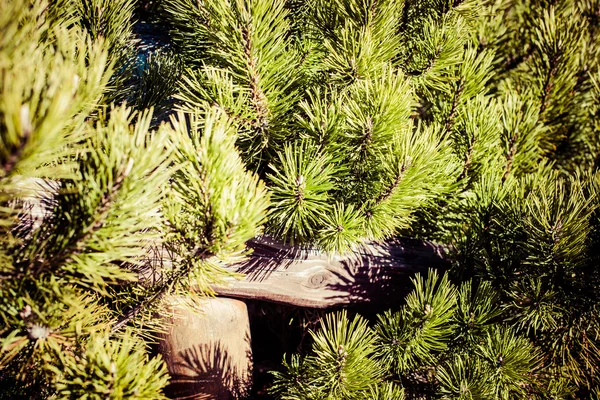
{"x": 374, "y": 273}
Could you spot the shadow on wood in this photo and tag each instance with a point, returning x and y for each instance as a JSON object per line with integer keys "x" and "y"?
{"x": 208, "y": 351}
{"x": 206, "y": 372}
{"x": 301, "y": 276}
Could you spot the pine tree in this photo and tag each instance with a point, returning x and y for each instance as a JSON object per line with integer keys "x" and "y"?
{"x": 87, "y": 191}
{"x": 332, "y": 123}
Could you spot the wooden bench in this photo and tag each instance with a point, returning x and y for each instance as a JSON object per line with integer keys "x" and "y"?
{"x": 376, "y": 273}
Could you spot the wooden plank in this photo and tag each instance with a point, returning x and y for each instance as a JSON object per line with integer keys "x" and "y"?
{"x": 376, "y": 273}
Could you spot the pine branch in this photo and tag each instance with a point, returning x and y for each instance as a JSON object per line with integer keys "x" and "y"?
{"x": 204, "y": 224}
{"x": 367, "y": 138}
{"x": 514, "y": 62}
{"x": 242, "y": 120}
{"x": 510, "y": 156}
{"x": 158, "y": 292}
{"x": 103, "y": 208}
{"x": 449, "y": 120}
{"x": 468, "y": 161}
{"x": 258, "y": 97}
{"x": 429, "y": 66}
{"x": 547, "y": 86}
{"x": 37, "y": 265}
{"x": 390, "y": 190}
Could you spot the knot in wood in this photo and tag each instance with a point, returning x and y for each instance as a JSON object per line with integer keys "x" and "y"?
{"x": 317, "y": 280}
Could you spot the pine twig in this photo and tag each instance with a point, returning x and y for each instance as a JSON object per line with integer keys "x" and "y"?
{"x": 449, "y": 122}
{"x": 103, "y": 209}
{"x": 510, "y": 156}
{"x": 390, "y": 190}
{"x": 258, "y": 97}
{"x": 468, "y": 161}
{"x": 548, "y": 85}
{"x": 160, "y": 291}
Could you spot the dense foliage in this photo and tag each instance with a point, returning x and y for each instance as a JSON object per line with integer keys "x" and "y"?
{"x": 92, "y": 197}
{"x": 472, "y": 123}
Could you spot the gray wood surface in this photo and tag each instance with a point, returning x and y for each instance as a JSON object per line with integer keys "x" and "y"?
{"x": 374, "y": 273}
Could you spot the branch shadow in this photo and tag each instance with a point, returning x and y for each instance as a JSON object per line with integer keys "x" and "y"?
{"x": 209, "y": 371}
{"x": 374, "y": 273}
{"x": 269, "y": 255}
{"x": 379, "y": 274}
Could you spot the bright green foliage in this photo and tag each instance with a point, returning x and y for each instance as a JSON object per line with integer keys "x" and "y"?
{"x": 508, "y": 92}
{"x": 32, "y": 123}
{"x": 215, "y": 205}
{"x": 40, "y": 317}
{"x": 326, "y": 121}
{"x": 111, "y": 21}
{"x": 106, "y": 372}
{"x": 57, "y": 275}
{"x": 112, "y": 198}
{"x": 88, "y": 192}
{"x": 247, "y": 68}
{"x": 477, "y": 308}
{"x": 340, "y": 367}
{"x": 425, "y": 344}
{"x": 386, "y": 391}
{"x": 213, "y": 183}
{"x": 472, "y": 123}
{"x": 345, "y": 344}
{"x": 421, "y": 329}
{"x": 299, "y": 206}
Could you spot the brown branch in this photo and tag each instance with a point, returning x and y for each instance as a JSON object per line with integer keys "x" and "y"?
{"x": 557, "y": 232}
{"x": 548, "y": 85}
{"x": 259, "y": 99}
{"x": 390, "y": 190}
{"x": 510, "y": 156}
{"x": 468, "y": 161}
{"x": 134, "y": 311}
{"x": 103, "y": 210}
{"x": 365, "y": 141}
{"x": 371, "y": 13}
{"x": 514, "y": 62}
{"x": 449, "y": 122}
{"x": 367, "y": 133}
{"x": 300, "y": 189}
{"x": 37, "y": 265}
{"x": 105, "y": 205}
{"x": 79, "y": 246}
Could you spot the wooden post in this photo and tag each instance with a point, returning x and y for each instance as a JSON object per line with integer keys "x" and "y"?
{"x": 207, "y": 350}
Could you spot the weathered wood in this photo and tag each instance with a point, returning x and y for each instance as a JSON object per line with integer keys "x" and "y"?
{"x": 207, "y": 349}
{"x": 374, "y": 273}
